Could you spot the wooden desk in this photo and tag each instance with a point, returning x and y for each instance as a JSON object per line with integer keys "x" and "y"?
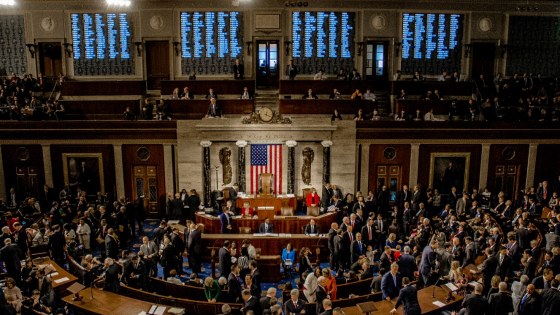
{"x": 325, "y": 107}
{"x": 270, "y": 245}
{"x": 107, "y": 87}
{"x": 107, "y": 303}
{"x": 196, "y": 109}
{"x": 424, "y": 299}
{"x": 270, "y": 267}
{"x": 271, "y": 201}
{"x": 420, "y": 88}
{"x": 410, "y": 107}
{"x": 300, "y": 87}
{"x": 201, "y": 87}
{"x": 293, "y": 225}
{"x": 59, "y": 288}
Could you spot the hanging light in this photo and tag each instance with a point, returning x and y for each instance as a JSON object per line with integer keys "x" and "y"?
{"x": 122, "y": 3}
{"x": 7, "y": 2}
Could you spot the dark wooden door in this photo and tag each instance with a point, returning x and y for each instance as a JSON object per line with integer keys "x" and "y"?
{"x": 145, "y": 183}
{"x": 483, "y": 56}
{"x": 157, "y": 63}
{"x": 376, "y": 56}
{"x": 50, "y": 59}
{"x": 267, "y": 63}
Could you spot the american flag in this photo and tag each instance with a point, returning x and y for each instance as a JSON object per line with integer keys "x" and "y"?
{"x": 266, "y": 158}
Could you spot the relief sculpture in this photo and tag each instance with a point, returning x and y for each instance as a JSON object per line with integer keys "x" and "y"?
{"x": 308, "y": 156}
{"x": 225, "y": 158}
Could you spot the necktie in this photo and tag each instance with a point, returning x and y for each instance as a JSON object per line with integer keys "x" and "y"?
{"x": 523, "y": 300}
{"x": 352, "y": 225}
{"x": 544, "y": 193}
{"x": 501, "y": 259}
{"x": 369, "y": 232}
{"x": 312, "y": 229}
{"x": 360, "y": 245}
{"x": 351, "y": 238}
{"x": 395, "y": 280}
{"x": 227, "y": 217}
{"x": 380, "y": 226}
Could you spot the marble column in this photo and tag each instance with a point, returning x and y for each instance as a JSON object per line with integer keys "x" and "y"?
{"x": 206, "y": 172}
{"x": 484, "y": 162}
{"x": 326, "y": 160}
{"x": 168, "y": 167}
{"x": 414, "y": 160}
{"x": 47, "y": 164}
{"x": 119, "y": 173}
{"x": 2, "y": 178}
{"x": 241, "y": 144}
{"x": 291, "y": 165}
{"x": 364, "y": 176}
{"x": 531, "y": 165}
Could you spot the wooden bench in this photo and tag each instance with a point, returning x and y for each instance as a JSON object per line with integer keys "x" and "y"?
{"x": 82, "y": 88}
{"x": 201, "y": 87}
{"x": 99, "y": 110}
{"x": 325, "y": 107}
{"x": 301, "y": 87}
{"x": 196, "y": 109}
{"x": 420, "y": 88}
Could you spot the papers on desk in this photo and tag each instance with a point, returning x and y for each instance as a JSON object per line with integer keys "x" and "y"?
{"x": 285, "y": 235}
{"x": 451, "y": 287}
{"x": 173, "y": 222}
{"x": 473, "y": 283}
{"x": 54, "y": 274}
{"x": 142, "y": 313}
{"x": 290, "y": 195}
{"x": 175, "y": 310}
{"x": 61, "y": 280}
{"x": 201, "y": 212}
{"x": 157, "y": 310}
{"x": 265, "y": 234}
{"x": 439, "y": 304}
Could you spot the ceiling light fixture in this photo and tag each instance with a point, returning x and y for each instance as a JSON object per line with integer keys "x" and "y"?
{"x": 7, "y": 2}
{"x": 122, "y": 3}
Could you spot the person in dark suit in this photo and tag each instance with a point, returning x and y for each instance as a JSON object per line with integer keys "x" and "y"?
{"x": 111, "y": 245}
{"x": 265, "y": 301}
{"x": 339, "y": 249}
{"x": 347, "y": 240}
{"x": 234, "y": 285}
{"x": 407, "y": 264}
{"x": 475, "y": 304}
{"x": 524, "y": 237}
{"x": 211, "y": 94}
{"x": 45, "y": 287}
{"x": 256, "y": 276}
{"x": 530, "y": 303}
{"x": 111, "y": 276}
{"x": 226, "y": 221}
{"x": 391, "y": 283}
{"x": 358, "y": 249}
{"x": 57, "y": 246}
{"x": 9, "y": 255}
{"x": 291, "y": 70}
{"x": 266, "y": 227}
{"x": 249, "y": 285}
{"x": 327, "y": 306}
{"x": 368, "y": 233}
{"x": 332, "y": 252}
{"x": 385, "y": 261}
{"x": 224, "y": 259}
{"x": 543, "y": 282}
{"x": 321, "y": 294}
{"x": 238, "y": 70}
{"x": 428, "y": 262}
{"x": 488, "y": 270}
{"x": 167, "y": 258}
{"x": 408, "y": 296}
{"x": 403, "y": 196}
{"x": 381, "y": 228}
{"x": 530, "y": 264}
{"x": 213, "y": 110}
{"x": 311, "y": 228}
{"x": 295, "y": 305}
{"x": 246, "y": 94}
{"x": 367, "y": 270}
{"x": 326, "y": 196}
{"x": 136, "y": 275}
{"x": 469, "y": 252}
{"x": 194, "y": 244}
{"x": 551, "y": 299}
{"x": 250, "y": 303}
{"x": 501, "y": 303}
{"x": 147, "y": 111}
{"x": 233, "y": 190}
{"x": 415, "y": 199}
{"x": 309, "y": 95}
{"x": 505, "y": 266}
{"x": 407, "y": 217}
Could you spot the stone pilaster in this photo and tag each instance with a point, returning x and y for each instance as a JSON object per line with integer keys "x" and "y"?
{"x": 206, "y": 172}
{"x": 484, "y": 162}
{"x": 168, "y": 166}
{"x": 47, "y": 164}
{"x": 414, "y": 160}
{"x": 291, "y": 165}
{"x": 531, "y": 164}
{"x": 241, "y": 144}
{"x": 326, "y": 161}
{"x": 2, "y": 178}
{"x": 119, "y": 173}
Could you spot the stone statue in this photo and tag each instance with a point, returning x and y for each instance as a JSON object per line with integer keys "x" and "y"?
{"x": 225, "y": 157}
{"x": 308, "y": 156}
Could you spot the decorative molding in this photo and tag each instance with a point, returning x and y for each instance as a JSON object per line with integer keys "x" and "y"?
{"x": 87, "y": 141}
{"x": 455, "y": 141}
{"x": 378, "y": 22}
{"x": 143, "y": 154}
{"x": 291, "y": 143}
{"x": 485, "y": 24}
{"x": 255, "y": 118}
{"x": 157, "y": 22}
{"x": 327, "y": 143}
{"x": 206, "y": 143}
{"x": 241, "y": 143}
{"x": 48, "y": 24}
{"x": 390, "y": 153}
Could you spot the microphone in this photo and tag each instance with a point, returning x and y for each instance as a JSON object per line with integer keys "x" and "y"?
{"x": 435, "y": 285}
{"x": 49, "y": 274}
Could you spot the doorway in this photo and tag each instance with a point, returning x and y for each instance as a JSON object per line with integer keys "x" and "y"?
{"x": 157, "y": 63}
{"x": 377, "y": 61}
{"x": 145, "y": 183}
{"x": 483, "y": 57}
{"x": 27, "y": 181}
{"x": 50, "y": 58}
{"x": 267, "y": 61}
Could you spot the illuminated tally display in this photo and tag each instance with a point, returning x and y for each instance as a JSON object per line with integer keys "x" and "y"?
{"x": 323, "y": 40}
{"x": 432, "y": 43}
{"x": 102, "y": 44}
{"x": 211, "y": 41}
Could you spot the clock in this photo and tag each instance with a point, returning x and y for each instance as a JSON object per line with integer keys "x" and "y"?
{"x": 266, "y": 114}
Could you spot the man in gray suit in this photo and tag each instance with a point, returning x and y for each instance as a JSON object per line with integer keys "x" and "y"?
{"x": 518, "y": 290}
{"x": 428, "y": 262}
{"x": 462, "y": 205}
{"x": 444, "y": 259}
{"x": 150, "y": 251}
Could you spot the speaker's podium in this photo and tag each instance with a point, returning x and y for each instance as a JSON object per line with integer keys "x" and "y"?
{"x": 265, "y": 201}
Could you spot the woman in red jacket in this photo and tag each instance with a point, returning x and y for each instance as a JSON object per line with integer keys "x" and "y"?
{"x": 247, "y": 211}
{"x": 312, "y": 198}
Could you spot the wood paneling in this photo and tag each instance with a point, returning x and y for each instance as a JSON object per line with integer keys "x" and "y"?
{"x": 98, "y": 110}
{"x": 12, "y": 162}
{"x": 547, "y": 165}
{"x": 157, "y": 63}
{"x": 519, "y": 160}
{"x": 325, "y": 107}
{"x": 323, "y": 87}
{"x": 439, "y": 107}
{"x": 201, "y": 87}
{"x": 108, "y": 163}
{"x": 196, "y": 109}
{"x": 80, "y": 88}
{"x": 130, "y": 159}
{"x": 420, "y": 88}
{"x": 376, "y": 158}
{"x": 427, "y": 149}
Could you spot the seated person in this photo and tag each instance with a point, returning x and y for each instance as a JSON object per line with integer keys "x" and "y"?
{"x": 175, "y": 95}
{"x": 417, "y": 76}
{"x": 375, "y": 115}
{"x": 428, "y": 96}
{"x": 320, "y": 76}
{"x": 192, "y": 77}
{"x": 368, "y": 95}
{"x": 60, "y": 111}
{"x": 128, "y": 114}
{"x": 211, "y": 94}
{"x": 187, "y": 95}
{"x": 214, "y": 110}
{"x": 443, "y": 76}
{"x": 309, "y": 95}
{"x": 354, "y": 76}
{"x": 35, "y": 304}
{"x": 173, "y": 277}
{"x": 247, "y": 211}
{"x": 356, "y": 95}
{"x": 194, "y": 281}
{"x": 311, "y": 228}
{"x": 148, "y": 110}
{"x": 402, "y": 116}
{"x": 397, "y": 76}
{"x": 417, "y": 116}
{"x": 336, "y": 115}
{"x": 437, "y": 95}
{"x": 266, "y": 227}
{"x": 402, "y": 95}
{"x": 455, "y": 77}
{"x": 246, "y": 95}
{"x": 429, "y": 116}
{"x": 341, "y": 76}
{"x": 312, "y": 198}
{"x": 359, "y": 115}
{"x": 163, "y": 111}
{"x": 335, "y": 94}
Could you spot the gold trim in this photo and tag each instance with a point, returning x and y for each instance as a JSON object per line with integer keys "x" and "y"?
{"x": 467, "y": 157}
{"x": 99, "y": 157}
